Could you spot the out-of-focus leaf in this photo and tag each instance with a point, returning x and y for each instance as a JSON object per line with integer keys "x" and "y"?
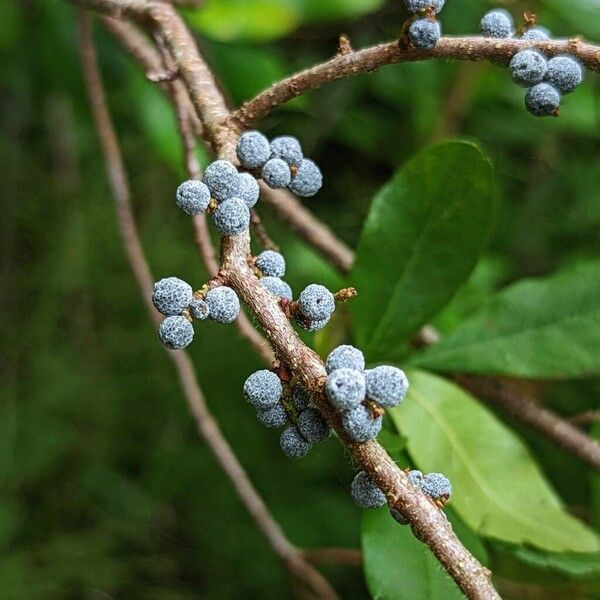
{"x": 583, "y": 15}
{"x": 499, "y": 490}
{"x": 571, "y": 564}
{"x": 319, "y": 11}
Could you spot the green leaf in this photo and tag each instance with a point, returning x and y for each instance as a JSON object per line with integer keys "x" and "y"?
{"x": 573, "y": 565}
{"x": 424, "y": 234}
{"x": 319, "y": 11}
{"x": 547, "y": 327}
{"x": 499, "y": 490}
{"x": 398, "y": 566}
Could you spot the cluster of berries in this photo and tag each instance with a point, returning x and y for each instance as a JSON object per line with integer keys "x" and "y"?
{"x": 278, "y": 406}
{"x": 425, "y": 31}
{"x": 175, "y": 299}
{"x": 546, "y": 80}
{"x": 230, "y": 195}
{"x": 362, "y": 395}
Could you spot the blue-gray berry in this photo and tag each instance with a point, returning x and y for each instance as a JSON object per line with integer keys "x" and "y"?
{"x": 542, "y": 100}
{"x": 316, "y": 302}
{"x": 536, "y": 34}
{"x": 199, "y": 309}
{"x": 415, "y": 477}
{"x": 192, "y": 197}
{"x": 365, "y": 493}
{"x": 288, "y": 149}
{"x": 271, "y": 263}
{"x": 497, "y": 24}
{"x": 276, "y": 173}
{"x": 345, "y": 388}
{"x": 436, "y": 486}
{"x": 172, "y": 296}
{"x": 564, "y": 73}
{"x": 386, "y": 385}
{"x": 272, "y": 416}
{"x": 309, "y": 325}
{"x": 300, "y": 398}
{"x": 528, "y": 67}
{"x": 415, "y": 6}
{"x": 263, "y": 389}
{"x": 176, "y": 332}
{"x": 293, "y": 444}
{"x": 425, "y": 34}
{"x": 308, "y": 179}
{"x": 313, "y": 427}
{"x": 360, "y": 425}
{"x": 277, "y": 286}
{"x": 232, "y": 217}
{"x": 223, "y": 304}
{"x": 253, "y": 149}
{"x": 248, "y": 189}
{"x": 345, "y": 357}
{"x": 222, "y": 179}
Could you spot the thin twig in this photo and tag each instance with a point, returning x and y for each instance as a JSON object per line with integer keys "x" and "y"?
{"x": 589, "y": 417}
{"x": 351, "y": 557}
{"x": 262, "y": 234}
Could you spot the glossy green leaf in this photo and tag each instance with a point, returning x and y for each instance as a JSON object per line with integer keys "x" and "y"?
{"x": 398, "y": 566}
{"x": 424, "y": 234}
{"x": 573, "y": 565}
{"x": 546, "y": 327}
{"x": 499, "y": 490}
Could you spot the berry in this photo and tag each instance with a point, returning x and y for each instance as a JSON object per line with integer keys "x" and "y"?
{"x": 272, "y": 416}
{"x": 316, "y": 302}
{"x": 436, "y": 486}
{"x": 300, "y": 398}
{"x": 223, "y": 304}
{"x": 277, "y": 286}
{"x": 276, "y": 173}
{"x": 172, "y": 296}
{"x": 386, "y": 385}
{"x": 398, "y": 516}
{"x": 536, "y": 34}
{"x": 288, "y": 149}
{"x": 308, "y": 179}
{"x": 543, "y": 100}
{"x": 293, "y": 444}
{"x": 176, "y": 332}
{"x": 360, "y": 424}
{"x": 415, "y": 6}
{"x": 497, "y": 24}
{"x": 192, "y": 197}
{"x": 345, "y": 388}
{"x": 248, "y": 190}
{"x": 528, "y": 67}
{"x": 345, "y": 357}
{"x": 222, "y": 180}
{"x": 310, "y": 325}
{"x": 199, "y": 309}
{"x": 416, "y": 478}
{"x": 263, "y": 389}
{"x": 365, "y": 493}
{"x": 253, "y": 149}
{"x": 425, "y": 34}
{"x": 313, "y": 426}
{"x": 232, "y": 217}
{"x": 564, "y": 73}
{"x": 271, "y": 263}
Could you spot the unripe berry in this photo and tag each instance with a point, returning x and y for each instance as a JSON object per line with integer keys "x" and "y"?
{"x": 300, "y": 398}
{"x": 416, "y": 478}
{"x": 536, "y": 34}
{"x": 528, "y": 67}
{"x": 308, "y": 179}
{"x": 277, "y": 286}
{"x": 273, "y": 416}
{"x": 293, "y": 444}
{"x": 248, "y": 190}
{"x": 199, "y": 309}
{"x": 313, "y": 426}
{"x": 365, "y": 493}
{"x": 345, "y": 357}
{"x": 415, "y": 6}
{"x": 386, "y": 385}
{"x": 232, "y": 217}
{"x": 288, "y": 149}
{"x": 360, "y": 425}
{"x": 436, "y": 486}
{"x": 316, "y": 302}
{"x": 425, "y": 34}
{"x": 263, "y": 389}
{"x": 564, "y": 73}
{"x": 176, "y": 332}
{"x": 223, "y": 304}
{"x": 497, "y": 24}
{"x": 542, "y": 100}
{"x": 172, "y": 296}
{"x": 345, "y": 388}
{"x": 222, "y": 179}
{"x": 276, "y": 173}
{"x": 253, "y": 149}
{"x": 192, "y": 197}
{"x": 270, "y": 263}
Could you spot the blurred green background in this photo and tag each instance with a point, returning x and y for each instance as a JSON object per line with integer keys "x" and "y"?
{"x": 105, "y": 489}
